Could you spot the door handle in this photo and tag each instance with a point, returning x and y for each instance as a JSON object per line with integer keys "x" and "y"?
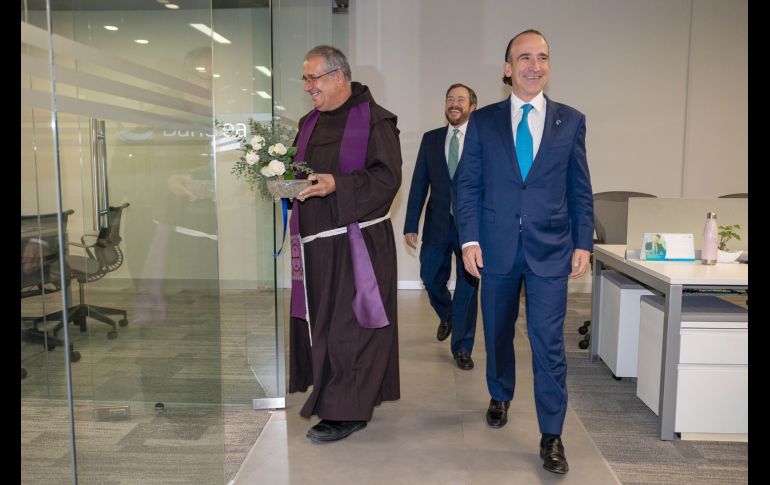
{"x": 100, "y": 201}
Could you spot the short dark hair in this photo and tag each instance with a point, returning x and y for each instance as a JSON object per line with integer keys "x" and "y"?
{"x": 471, "y": 93}
{"x": 507, "y": 79}
{"x": 333, "y": 59}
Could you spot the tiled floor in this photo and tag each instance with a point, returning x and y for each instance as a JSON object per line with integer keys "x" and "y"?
{"x": 436, "y": 432}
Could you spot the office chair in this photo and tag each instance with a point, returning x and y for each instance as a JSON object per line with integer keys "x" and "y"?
{"x": 610, "y": 224}
{"x": 44, "y": 280}
{"x": 741, "y": 195}
{"x": 103, "y": 256}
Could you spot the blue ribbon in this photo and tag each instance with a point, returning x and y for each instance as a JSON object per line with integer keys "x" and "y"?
{"x": 285, "y": 212}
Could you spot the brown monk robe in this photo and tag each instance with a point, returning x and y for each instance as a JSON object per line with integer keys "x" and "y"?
{"x": 353, "y": 368}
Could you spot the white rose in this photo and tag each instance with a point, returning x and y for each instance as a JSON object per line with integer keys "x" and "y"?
{"x": 266, "y": 171}
{"x": 257, "y": 142}
{"x": 277, "y": 149}
{"x": 252, "y": 158}
{"x": 276, "y": 167}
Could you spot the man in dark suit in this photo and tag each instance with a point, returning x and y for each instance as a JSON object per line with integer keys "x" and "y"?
{"x": 524, "y": 202}
{"x": 437, "y": 161}
{"x": 657, "y": 246}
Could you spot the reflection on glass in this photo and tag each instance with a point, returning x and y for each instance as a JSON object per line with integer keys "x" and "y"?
{"x": 193, "y": 355}
{"x": 153, "y": 386}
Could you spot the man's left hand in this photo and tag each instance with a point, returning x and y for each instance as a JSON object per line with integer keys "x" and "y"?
{"x": 322, "y": 188}
{"x": 580, "y": 261}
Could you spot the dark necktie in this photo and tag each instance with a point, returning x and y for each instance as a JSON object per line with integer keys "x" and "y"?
{"x": 524, "y": 148}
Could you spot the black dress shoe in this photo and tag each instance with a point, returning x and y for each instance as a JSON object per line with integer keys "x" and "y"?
{"x": 497, "y": 413}
{"x": 444, "y": 330}
{"x": 327, "y": 430}
{"x": 552, "y": 453}
{"x": 464, "y": 360}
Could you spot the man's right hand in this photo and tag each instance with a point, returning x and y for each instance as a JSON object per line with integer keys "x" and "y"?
{"x": 472, "y": 260}
{"x": 411, "y": 239}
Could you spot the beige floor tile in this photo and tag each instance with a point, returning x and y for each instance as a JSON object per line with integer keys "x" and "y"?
{"x": 435, "y": 434}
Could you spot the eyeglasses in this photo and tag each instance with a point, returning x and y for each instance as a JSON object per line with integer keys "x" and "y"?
{"x": 452, "y": 99}
{"x": 312, "y": 79}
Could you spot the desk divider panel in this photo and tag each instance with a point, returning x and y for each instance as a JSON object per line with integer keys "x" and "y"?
{"x": 685, "y": 215}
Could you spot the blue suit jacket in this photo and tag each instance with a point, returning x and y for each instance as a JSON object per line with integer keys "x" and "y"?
{"x": 431, "y": 170}
{"x": 555, "y": 204}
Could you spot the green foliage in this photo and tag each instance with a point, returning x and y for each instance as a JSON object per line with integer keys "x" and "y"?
{"x": 266, "y": 154}
{"x": 726, "y": 233}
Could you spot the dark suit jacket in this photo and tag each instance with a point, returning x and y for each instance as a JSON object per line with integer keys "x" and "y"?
{"x": 555, "y": 203}
{"x": 431, "y": 170}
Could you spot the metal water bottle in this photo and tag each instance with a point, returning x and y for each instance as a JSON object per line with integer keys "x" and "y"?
{"x": 709, "y": 251}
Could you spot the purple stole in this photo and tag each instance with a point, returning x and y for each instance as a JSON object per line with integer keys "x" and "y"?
{"x": 367, "y": 301}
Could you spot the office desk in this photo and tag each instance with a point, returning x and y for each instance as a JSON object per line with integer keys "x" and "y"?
{"x": 669, "y": 278}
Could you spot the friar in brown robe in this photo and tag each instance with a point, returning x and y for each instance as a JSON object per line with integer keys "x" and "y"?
{"x": 351, "y": 368}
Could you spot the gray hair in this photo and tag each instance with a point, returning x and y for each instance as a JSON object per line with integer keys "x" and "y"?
{"x": 333, "y": 59}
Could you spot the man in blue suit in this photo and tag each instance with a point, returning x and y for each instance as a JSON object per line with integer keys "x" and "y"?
{"x": 437, "y": 161}
{"x": 525, "y": 214}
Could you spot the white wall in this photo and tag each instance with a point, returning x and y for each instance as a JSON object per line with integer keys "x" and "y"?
{"x": 716, "y": 143}
{"x": 663, "y": 84}
{"x": 651, "y": 77}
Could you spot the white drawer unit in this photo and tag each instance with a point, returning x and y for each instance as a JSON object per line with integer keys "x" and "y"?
{"x": 619, "y": 322}
{"x": 712, "y": 399}
{"x": 713, "y": 370}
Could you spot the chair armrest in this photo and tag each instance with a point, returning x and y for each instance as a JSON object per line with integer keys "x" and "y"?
{"x": 83, "y": 239}
{"x": 87, "y": 247}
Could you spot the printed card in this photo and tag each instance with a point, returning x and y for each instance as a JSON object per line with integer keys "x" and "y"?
{"x": 667, "y": 246}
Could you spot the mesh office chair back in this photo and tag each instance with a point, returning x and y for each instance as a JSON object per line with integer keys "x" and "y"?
{"x": 107, "y": 249}
{"x": 611, "y": 215}
{"x": 46, "y": 278}
{"x": 741, "y": 195}
{"x": 610, "y": 224}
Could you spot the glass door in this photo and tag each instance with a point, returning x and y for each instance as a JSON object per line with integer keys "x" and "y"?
{"x": 243, "y": 90}
{"x": 46, "y": 425}
{"x": 129, "y": 156}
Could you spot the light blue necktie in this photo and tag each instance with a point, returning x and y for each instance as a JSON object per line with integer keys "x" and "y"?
{"x": 524, "y": 149}
{"x": 454, "y": 153}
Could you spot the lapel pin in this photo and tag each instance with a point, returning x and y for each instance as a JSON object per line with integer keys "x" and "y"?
{"x": 558, "y": 122}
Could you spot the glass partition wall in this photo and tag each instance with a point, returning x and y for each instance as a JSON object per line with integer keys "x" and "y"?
{"x": 151, "y": 319}
{"x": 243, "y": 90}
{"x": 153, "y": 311}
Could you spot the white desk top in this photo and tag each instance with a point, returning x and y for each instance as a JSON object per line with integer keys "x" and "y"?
{"x": 682, "y": 272}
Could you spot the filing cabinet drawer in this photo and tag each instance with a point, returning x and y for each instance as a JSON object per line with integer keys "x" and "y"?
{"x": 714, "y": 346}
{"x": 712, "y": 399}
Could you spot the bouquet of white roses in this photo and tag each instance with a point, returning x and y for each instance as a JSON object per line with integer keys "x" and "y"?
{"x": 265, "y": 156}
